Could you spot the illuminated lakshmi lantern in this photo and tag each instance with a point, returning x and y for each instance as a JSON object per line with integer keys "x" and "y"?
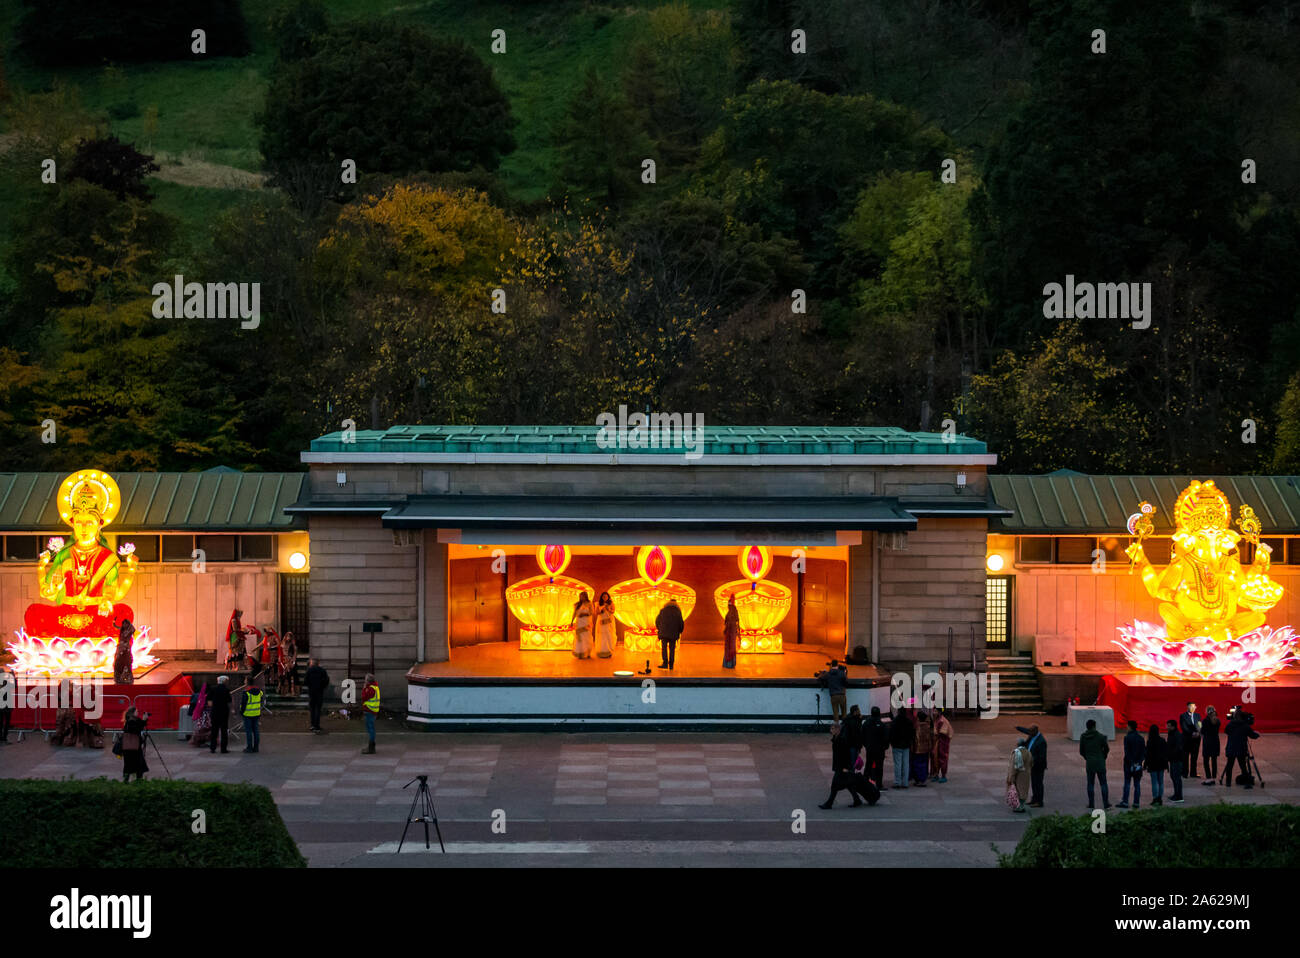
{"x": 637, "y": 601}
{"x": 544, "y": 603}
{"x": 84, "y": 582}
{"x": 761, "y": 604}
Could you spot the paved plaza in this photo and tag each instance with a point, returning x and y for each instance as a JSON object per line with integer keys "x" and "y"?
{"x": 720, "y": 799}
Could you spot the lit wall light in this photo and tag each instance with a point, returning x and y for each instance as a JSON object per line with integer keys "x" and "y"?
{"x": 994, "y": 562}
{"x": 298, "y": 561}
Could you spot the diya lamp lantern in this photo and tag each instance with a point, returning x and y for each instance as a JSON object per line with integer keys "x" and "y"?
{"x": 637, "y": 601}
{"x": 544, "y": 603}
{"x": 761, "y": 604}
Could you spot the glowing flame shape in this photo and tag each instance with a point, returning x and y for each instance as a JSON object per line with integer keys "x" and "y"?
{"x": 554, "y": 559}
{"x": 653, "y": 563}
{"x": 755, "y": 562}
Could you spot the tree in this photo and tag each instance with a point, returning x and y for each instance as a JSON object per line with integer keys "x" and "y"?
{"x": 392, "y": 98}
{"x": 116, "y": 166}
{"x": 791, "y": 160}
{"x": 601, "y": 143}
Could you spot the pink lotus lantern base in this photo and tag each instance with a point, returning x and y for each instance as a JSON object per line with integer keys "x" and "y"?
{"x": 1255, "y": 655}
{"x": 87, "y": 656}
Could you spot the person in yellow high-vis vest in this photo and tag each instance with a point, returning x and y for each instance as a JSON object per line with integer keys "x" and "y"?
{"x": 370, "y": 708}
{"x": 254, "y": 699}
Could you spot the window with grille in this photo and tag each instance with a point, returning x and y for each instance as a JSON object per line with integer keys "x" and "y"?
{"x": 997, "y": 614}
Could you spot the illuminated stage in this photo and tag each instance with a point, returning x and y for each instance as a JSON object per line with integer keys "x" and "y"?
{"x": 1153, "y": 701}
{"x": 491, "y": 686}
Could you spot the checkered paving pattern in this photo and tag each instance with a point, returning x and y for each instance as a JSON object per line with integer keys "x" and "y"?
{"x": 345, "y": 775}
{"x": 635, "y": 774}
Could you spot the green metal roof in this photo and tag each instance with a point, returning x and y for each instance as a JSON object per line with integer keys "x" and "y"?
{"x": 718, "y": 441}
{"x": 1077, "y": 504}
{"x": 178, "y": 501}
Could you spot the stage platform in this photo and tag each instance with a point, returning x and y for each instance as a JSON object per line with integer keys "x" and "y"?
{"x": 161, "y": 691}
{"x": 495, "y": 686}
{"x": 1152, "y": 700}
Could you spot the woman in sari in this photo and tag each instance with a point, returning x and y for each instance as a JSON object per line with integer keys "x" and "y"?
{"x": 271, "y": 657}
{"x": 922, "y": 743}
{"x": 581, "y": 623}
{"x": 730, "y": 632}
{"x": 942, "y": 739}
{"x": 1018, "y": 777}
{"x": 202, "y": 720}
{"x": 288, "y": 664}
{"x": 606, "y": 631}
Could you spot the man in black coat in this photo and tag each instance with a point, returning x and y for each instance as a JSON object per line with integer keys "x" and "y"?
{"x": 875, "y": 739}
{"x": 670, "y": 624}
{"x": 1135, "y": 754}
{"x": 1237, "y": 749}
{"x": 852, "y": 725}
{"x": 1038, "y": 752}
{"x": 316, "y": 681}
{"x": 842, "y": 774}
{"x": 1189, "y": 724}
{"x": 219, "y": 711}
{"x": 901, "y": 732}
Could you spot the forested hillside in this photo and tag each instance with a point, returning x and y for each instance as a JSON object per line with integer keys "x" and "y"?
{"x": 766, "y": 211}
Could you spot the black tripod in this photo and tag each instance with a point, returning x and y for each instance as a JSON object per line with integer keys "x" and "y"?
{"x": 1250, "y": 757}
{"x": 424, "y": 798}
{"x": 149, "y": 738}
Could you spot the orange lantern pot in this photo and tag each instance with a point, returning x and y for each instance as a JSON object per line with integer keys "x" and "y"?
{"x": 761, "y": 604}
{"x": 544, "y": 603}
{"x": 637, "y": 601}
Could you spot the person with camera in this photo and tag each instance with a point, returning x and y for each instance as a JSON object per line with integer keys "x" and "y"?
{"x": 132, "y": 745}
{"x": 836, "y": 682}
{"x": 1239, "y": 733}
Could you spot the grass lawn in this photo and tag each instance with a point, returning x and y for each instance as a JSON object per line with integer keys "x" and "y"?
{"x": 205, "y": 109}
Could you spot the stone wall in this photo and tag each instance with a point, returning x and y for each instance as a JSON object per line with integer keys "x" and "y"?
{"x": 936, "y": 583}
{"x": 358, "y": 575}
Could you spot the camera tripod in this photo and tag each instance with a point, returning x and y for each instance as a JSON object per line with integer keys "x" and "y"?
{"x": 149, "y": 738}
{"x": 423, "y": 798}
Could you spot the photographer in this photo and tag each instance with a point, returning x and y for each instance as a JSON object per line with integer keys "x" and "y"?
{"x": 133, "y": 738}
{"x": 836, "y": 681}
{"x": 1239, "y": 733}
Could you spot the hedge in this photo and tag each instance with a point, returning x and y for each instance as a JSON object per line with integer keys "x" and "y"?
{"x": 1213, "y": 836}
{"x": 107, "y": 823}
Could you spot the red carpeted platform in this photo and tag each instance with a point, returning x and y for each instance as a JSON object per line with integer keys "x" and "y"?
{"x": 159, "y": 692}
{"x": 1152, "y": 700}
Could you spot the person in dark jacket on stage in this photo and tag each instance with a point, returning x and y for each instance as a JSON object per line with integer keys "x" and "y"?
{"x": 1157, "y": 761}
{"x": 670, "y": 624}
{"x": 316, "y": 681}
{"x": 219, "y": 713}
{"x": 1135, "y": 753}
{"x": 1177, "y": 753}
{"x": 1210, "y": 745}
{"x": 1037, "y": 746}
{"x": 901, "y": 733}
{"x": 1238, "y": 734}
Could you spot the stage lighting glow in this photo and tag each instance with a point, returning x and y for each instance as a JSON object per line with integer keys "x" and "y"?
{"x": 637, "y": 601}
{"x": 544, "y": 603}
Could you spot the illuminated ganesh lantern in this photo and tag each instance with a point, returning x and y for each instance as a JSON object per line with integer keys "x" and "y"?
{"x": 637, "y": 601}
{"x": 1212, "y": 606}
{"x": 75, "y": 633}
{"x": 544, "y": 603}
{"x": 761, "y": 604}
